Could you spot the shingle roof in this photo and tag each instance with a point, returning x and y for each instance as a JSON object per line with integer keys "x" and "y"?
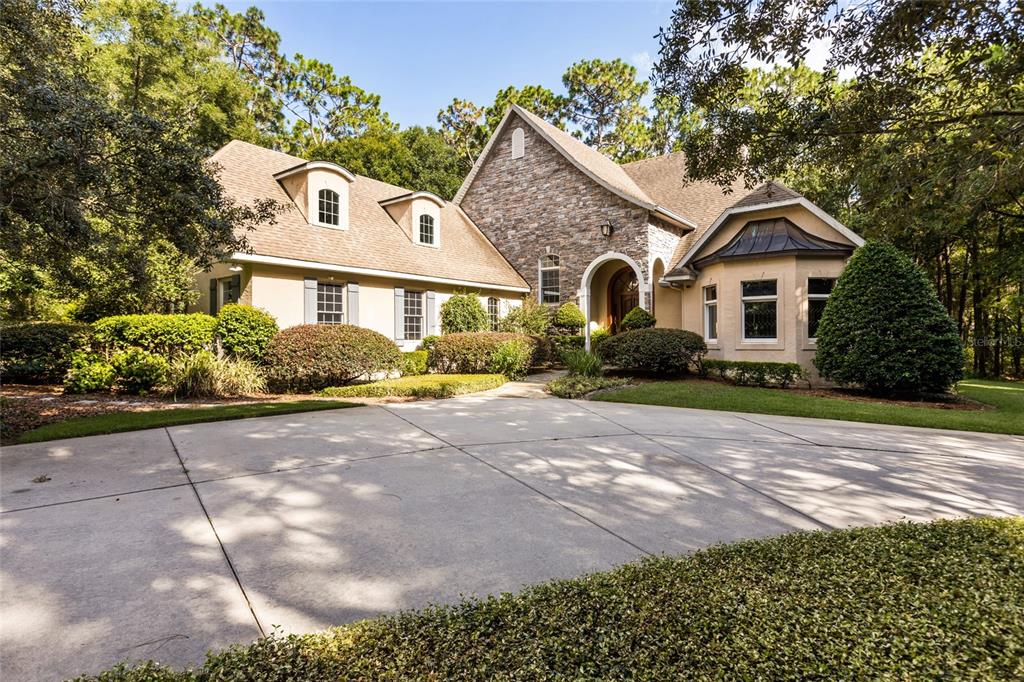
{"x": 773, "y": 236}
{"x": 373, "y": 239}
{"x": 767, "y": 193}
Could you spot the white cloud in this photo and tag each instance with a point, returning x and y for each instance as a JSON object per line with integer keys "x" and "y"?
{"x": 643, "y": 63}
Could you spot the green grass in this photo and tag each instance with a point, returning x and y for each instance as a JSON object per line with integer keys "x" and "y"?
{"x": 420, "y": 386}
{"x": 116, "y": 422}
{"x": 898, "y": 602}
{"x": 1005, "y": 398}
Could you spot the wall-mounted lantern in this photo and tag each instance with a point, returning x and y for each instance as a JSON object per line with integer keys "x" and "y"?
{"x": 607, "y": 229}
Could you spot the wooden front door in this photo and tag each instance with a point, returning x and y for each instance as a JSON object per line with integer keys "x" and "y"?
{"x": 623, "y": 295}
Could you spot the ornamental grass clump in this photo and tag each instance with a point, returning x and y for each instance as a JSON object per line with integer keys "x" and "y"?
{"x": 884, "y": 328}
{"x": 204, "y": 375}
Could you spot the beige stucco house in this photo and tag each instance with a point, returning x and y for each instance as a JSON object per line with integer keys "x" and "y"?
{"x": 542, "y": 215}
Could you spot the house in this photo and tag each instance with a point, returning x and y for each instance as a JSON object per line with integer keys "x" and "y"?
{"x": 544, "y": 215}
{"x": 350, "y": 249}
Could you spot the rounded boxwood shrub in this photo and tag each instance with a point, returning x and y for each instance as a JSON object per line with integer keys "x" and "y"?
{"x": 463, "y": 313}
{"x": 310, "y": 357}
{"x": 470, "y": 353}
{"x": 570, "y": 318}
{"x": 245, "y": 331}
{"x": 637, "y": 318}
{"x": 664, "y": 352}
{"x": 89, "y": 373}
{"x": 885, "y": 330}
{"x": 139, "y": 371}
{"x": 166, "y": 335}
{"x": 414, "y": 363}
{"x": 40, "y": 352}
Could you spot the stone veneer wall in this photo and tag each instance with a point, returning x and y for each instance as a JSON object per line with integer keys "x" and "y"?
{"x": 541, "y": 203}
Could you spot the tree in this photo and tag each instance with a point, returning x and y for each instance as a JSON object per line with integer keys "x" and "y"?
{"x": 79, "y": 176}
{"x": 535, "y": 98}
{"x": 884, "y": 328}
{"x": 463, "y": 313}
{"x": 417, "y": 158}
{"x": 463, "y": 131}
{"x": 913, "y": 131}
{"x": 605, "y": 101}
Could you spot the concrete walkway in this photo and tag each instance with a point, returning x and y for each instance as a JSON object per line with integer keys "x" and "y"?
{"x": 164, "y": 543}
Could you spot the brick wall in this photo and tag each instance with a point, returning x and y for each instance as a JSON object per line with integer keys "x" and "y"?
{"x": 541, "y": 203}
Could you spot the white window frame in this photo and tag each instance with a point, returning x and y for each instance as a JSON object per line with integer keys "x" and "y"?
{"x": 422, "y": 295}
{"x": 433, "y": 230}
{"x": 343, "y": 292}
{"x": 337, "y": 206}
{"x": 815, "y": 297}
{"x": 542, "y": 268}
{"x": 759, "y": 299}
{"x": 223, "y": 289}
{"x": 493, "y": 312}
{"x": 518, "y": 143}
{"x": 708, "y": 305}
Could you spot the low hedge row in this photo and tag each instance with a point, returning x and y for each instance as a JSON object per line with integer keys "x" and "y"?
{"x": 426, "y": 386}
{"x": 483, "y": 352}
{"x": 166, "y": 335}
{"x": 748, "y": 373}
{"x": 938, "y": 601}
{"x": 662, "y": 352}
{"x": 40, "y": 352}
{"x": 314, "y": 356}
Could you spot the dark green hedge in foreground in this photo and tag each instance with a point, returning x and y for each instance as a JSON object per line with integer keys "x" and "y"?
{"x": 906, "y": 601}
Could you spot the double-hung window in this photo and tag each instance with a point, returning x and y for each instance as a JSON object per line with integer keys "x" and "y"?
{"x": 328, "y": 210}
{"x": 550, "y": 279}
{"x": 760, "y": 302}
{"x": 818, "y": 291}
{"x": 413, "y": 315}
{"x": 711, "y": 313}
{"x": 492, "y": 313}
{"x": 427, "y": 229}
{"x": 330, "y": 302}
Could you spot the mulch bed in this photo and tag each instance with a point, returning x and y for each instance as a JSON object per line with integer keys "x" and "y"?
{"x": 27, "y": 407}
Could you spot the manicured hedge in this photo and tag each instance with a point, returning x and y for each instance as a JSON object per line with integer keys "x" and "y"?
{"x": 310, "y": 356}
{"x": 749, "y": 373}
{"x": 414, "y": 363}
{"x": 884, "y": 328}
{"x": 939, "y": 601}
{"x": 40, "y": 352}
{"x": 471, "y": 353}
{"x": 570, "y": 318}
{"x": 463, "y": 313}
{"x": 426, "y": 386}
{"x": 638, "y": 318}
{"x": 167, "y": 335}
{"x": 244, "y": 331}
{"x": 663, "y": 352}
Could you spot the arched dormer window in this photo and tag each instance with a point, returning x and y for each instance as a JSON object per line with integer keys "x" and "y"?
{"x": 426, "y": 229}
{"x": 328, "y": 211}
{"x": 518, "y": 143}
{"x": 550, "y": 279}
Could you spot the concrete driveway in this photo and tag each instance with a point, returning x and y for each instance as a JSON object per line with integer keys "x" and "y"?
{"x": 164, "y": 543}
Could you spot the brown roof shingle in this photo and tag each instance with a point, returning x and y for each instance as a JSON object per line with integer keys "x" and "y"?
{"x": 373, "y": 240}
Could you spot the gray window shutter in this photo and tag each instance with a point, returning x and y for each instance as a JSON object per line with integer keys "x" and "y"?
{"x": 213, "y": 296}
{"x": 399, "y": 314}
{"x": 431, "y": 323}
{"x": 352, "y": 304}
{"x": 309, "y": 301}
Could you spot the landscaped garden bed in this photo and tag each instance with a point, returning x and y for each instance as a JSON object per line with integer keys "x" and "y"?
{"x": 904, "y": 601}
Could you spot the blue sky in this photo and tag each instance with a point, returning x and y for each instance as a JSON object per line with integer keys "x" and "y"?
{"x": 419, "y": 55}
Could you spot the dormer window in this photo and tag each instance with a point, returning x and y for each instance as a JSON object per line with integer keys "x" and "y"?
{"x": 427, "y": 229}
{"x": 328, "y": 210}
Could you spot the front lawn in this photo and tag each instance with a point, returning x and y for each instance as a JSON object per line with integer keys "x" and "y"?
{"x": 419, "y": 386}
{"x": 904, "y": 601}
{"x": 1005, "y": 400}
{"x": 116, "y": 422}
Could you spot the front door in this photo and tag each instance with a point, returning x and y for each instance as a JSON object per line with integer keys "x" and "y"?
{"x": 623, "y": 295}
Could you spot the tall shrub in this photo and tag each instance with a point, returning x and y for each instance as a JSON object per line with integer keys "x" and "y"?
{"x": 40, "y": 352}
{"x": 311, "y": 357}
{"x": 463, "y": 313}
{"x": 570, "y": 319}
{"x": 885, "y": 330}
{"x": 529, "y": 318}
{"x": 245, "y": 331}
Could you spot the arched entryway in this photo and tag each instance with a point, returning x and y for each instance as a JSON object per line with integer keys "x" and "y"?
{"x": 608, "y": 290}
{"x": 623, "y": 296}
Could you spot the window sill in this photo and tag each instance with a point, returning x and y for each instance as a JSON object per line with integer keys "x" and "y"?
{"x": 429, "y": 246}
{"x": 329, "y": 226}
{"x": 767, "y": 344}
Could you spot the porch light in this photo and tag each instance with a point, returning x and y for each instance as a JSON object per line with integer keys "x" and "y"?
{"x": 607, "y": 229}
{"x": 235, "y": 268}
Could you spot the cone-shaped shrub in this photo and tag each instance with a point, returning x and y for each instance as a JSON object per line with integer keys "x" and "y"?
{"x": 463, "y": 313}
{"x": 884, "y": 328}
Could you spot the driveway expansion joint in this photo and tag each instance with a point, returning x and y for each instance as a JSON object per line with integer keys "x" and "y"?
{"x": 223, "y": 549}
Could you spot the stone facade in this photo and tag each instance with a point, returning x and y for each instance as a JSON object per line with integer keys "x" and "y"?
{"x": 542, "y": 204}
